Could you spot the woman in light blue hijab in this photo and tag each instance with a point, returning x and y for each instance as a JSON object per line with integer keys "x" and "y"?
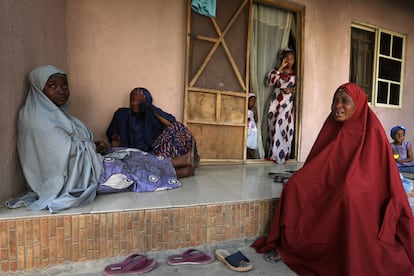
{"x": 56, "y": 150}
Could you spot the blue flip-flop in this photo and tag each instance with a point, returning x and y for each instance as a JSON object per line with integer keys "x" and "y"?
{"x": 236, "y": 261}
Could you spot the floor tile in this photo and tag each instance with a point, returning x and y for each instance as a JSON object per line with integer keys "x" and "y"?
{"x": 211, "y": 184}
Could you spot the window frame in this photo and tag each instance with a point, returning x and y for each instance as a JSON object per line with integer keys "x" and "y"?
{"x": 377, "y": 31}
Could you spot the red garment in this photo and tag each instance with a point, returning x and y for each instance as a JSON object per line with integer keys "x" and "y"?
{"x": 345, "y": 211}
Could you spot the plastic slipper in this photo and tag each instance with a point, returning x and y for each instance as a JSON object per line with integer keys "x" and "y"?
{"x": 191, "y": 256}
{"x": 279, "y": 175}
{"x": 280, "y": 179}
{"x": 134, "y": 264}
{"x": 236, "y": 261}
{"x": 272, "y": 256}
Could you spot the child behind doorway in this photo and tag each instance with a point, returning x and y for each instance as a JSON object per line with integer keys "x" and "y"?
{"x": 251, "y": 127}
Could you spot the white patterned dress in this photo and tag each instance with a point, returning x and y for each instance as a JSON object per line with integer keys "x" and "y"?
{"x": 281, "y": 117}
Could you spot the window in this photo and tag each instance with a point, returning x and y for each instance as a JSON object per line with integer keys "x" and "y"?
{"x": 377, "y": 62}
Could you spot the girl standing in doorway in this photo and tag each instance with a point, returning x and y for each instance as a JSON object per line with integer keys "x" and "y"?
{"x": 280, "y": 115}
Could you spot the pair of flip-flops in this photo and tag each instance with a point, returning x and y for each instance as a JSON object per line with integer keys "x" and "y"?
{"x": 236, "y": 261}
{"x": 191, "y": 257}
{"x": 133, "y": 264}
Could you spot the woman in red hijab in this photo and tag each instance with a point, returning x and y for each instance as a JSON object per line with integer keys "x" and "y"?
{"x": 345, "y": 211}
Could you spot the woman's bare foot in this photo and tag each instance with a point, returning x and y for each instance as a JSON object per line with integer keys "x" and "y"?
{"x": 182, "y": 161}
{"x": 184, "y": 171}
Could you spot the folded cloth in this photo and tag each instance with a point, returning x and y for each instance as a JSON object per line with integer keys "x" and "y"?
{"x": 204, "y": 7}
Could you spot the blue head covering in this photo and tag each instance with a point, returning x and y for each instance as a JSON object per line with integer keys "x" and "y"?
{"x": 138, "y": 130}
{"x": 394, "y": 129}
{"x": 151, "y": 125}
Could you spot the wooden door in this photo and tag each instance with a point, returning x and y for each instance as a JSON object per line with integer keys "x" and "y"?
{"x": 217, "y": 80}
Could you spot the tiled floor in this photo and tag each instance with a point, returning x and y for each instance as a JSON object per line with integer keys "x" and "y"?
{"x": 210, "y": 185}
{"x": 106, "y": 227}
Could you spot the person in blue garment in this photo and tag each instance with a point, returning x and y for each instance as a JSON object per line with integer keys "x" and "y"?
{"x": 147, "y": 127}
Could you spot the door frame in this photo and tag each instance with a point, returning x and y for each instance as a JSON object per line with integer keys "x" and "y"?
{"x": 299, "y": 11}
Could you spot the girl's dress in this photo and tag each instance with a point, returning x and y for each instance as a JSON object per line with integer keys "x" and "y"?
{"x": 251, "y": 130}
{"x": 281, "y": 120}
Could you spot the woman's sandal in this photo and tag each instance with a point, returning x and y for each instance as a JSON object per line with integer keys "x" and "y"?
{"x": 134, "y": 264}
{"x": 236, "y": 261}
{"x": 191, "y": 256}
{"x": 272, "y": 256}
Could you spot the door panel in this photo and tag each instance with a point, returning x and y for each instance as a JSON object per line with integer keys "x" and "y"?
{"x": 216, "y": 80}
{"x": 214, "y": 140}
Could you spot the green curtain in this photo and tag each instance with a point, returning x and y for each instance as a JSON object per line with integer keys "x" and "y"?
{"x": 270, "y": 33}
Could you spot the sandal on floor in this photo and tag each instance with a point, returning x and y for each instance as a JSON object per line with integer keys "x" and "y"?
{"x": 279, "y": 175}
{"x": 272, "y": 256}
{"x": 236, "y": 261}
{"x": 191, "y": 256}
{"x": 280, "y": 179}
{"x": 134, "y": 264}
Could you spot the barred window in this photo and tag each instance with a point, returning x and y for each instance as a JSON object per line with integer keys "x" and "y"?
{"x": 377, "y": 63}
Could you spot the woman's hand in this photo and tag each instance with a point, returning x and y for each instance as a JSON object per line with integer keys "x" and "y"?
{"x": 285, "y": 63}
{"x": 116, "y": 140}
{"x": 101, "y": 147}
{"x": 164, "y": 121}
{"x": 288, "y": 90}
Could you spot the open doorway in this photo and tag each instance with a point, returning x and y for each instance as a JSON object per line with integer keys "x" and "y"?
{"x": 226, "y": 59}
{"x": 272, "y": 30}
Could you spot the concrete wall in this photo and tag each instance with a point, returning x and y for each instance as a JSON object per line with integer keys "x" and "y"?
{"x": 327, "y": 54}
{"x": 33, "y": 33}
{"x": 109, "y": 47}
{"x": 114, "y": 46}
